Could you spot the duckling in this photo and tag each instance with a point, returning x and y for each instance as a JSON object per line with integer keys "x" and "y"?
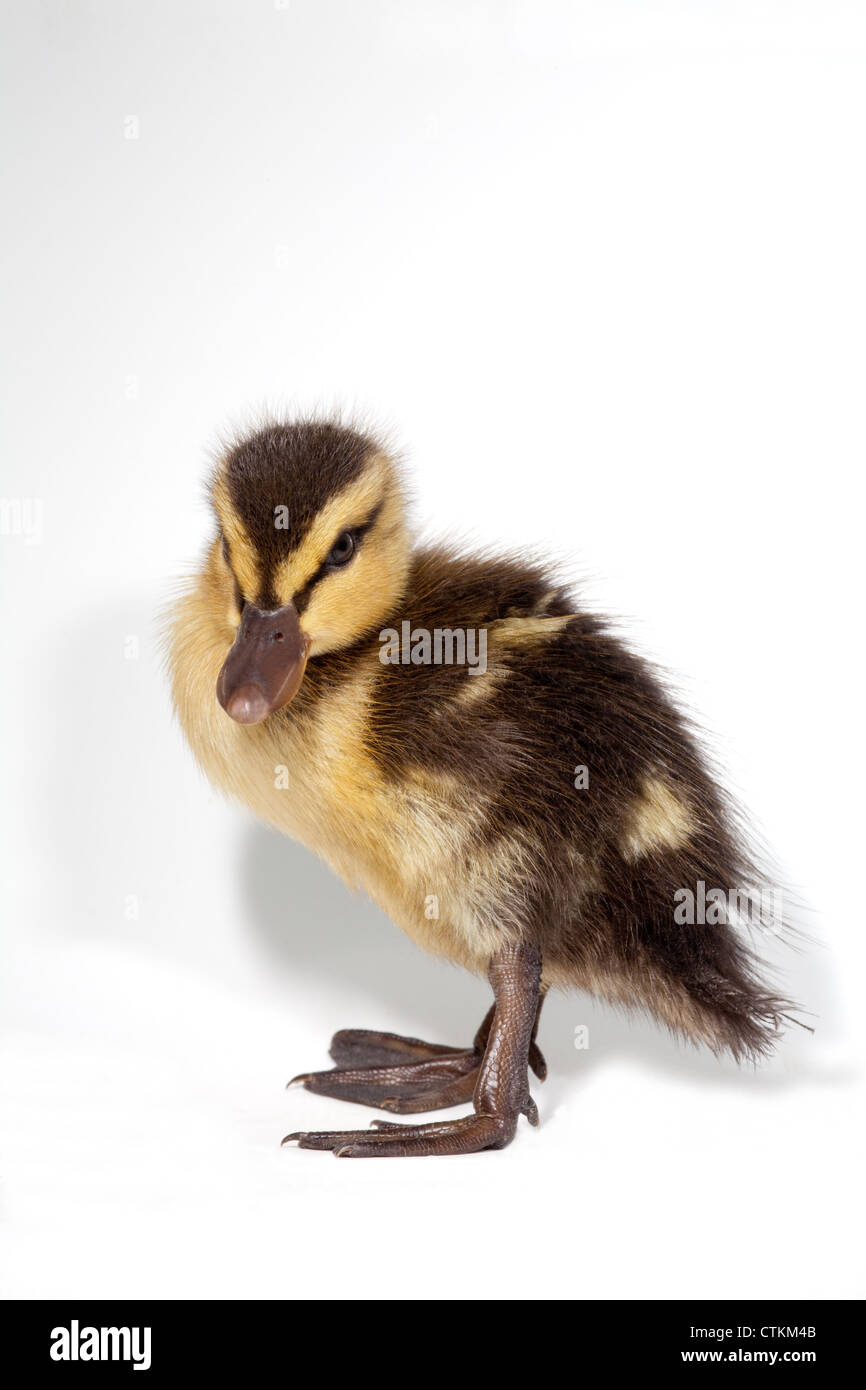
{"x": 532, "y": 805}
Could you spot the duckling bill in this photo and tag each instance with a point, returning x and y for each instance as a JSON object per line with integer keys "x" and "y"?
{"x": 447, "y": 791}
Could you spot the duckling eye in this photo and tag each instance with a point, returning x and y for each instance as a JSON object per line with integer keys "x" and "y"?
{"x": 342, "y": 550}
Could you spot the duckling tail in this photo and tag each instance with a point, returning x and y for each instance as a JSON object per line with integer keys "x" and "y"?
{"x": 696, "y": 970}
{"x": 735, "y": 1013}
{"x": 716, "y": 990}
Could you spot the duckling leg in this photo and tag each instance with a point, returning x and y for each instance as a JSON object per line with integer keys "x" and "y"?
{"x": 405, "y": 1075}
{"x": 501, "y": 1091}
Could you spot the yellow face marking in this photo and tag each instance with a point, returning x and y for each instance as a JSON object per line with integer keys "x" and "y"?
{"x": 242, "y": 551}
{"x": 361, "y": 596}
{"x": 348, "y": 508}
{"x": 658, "y": 821}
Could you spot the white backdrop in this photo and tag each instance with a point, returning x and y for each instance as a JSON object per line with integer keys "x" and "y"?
{"x": 599, "y": 267}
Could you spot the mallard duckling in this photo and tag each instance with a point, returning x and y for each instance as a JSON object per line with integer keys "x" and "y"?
{"x": 540, "y": 815}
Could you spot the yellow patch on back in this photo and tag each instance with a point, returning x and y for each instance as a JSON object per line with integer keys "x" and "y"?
{"x": 479, "y": 687}
{"x": 543, "y": 603}
{"x": 515, "y": 631}
{"x": 657, "y": 820}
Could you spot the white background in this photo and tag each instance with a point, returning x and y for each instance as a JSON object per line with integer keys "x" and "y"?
{"x": 599, "y": 267}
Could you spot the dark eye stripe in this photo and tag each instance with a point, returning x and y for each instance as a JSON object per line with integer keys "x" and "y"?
{"x": 302, "y": 597}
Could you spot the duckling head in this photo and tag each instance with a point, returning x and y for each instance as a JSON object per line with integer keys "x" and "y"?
{"x": 315, "y": 551}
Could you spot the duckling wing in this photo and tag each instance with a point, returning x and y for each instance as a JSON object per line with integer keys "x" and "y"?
{"x": 588, "y": 805}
